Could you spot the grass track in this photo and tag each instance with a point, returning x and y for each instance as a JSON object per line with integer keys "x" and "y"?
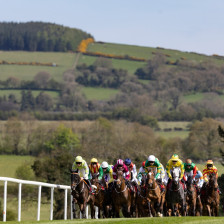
{"x": 165, "y": 220}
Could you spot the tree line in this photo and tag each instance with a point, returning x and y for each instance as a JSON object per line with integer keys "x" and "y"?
{"x": 39, "y": 36}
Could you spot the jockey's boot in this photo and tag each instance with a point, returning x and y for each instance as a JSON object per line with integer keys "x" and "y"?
{"x": 91, "y": 190}
{"x": 219, "y": 190}
{"x": 162, "y": 188}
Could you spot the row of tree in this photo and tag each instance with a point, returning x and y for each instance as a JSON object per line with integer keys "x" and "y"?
{"x": 39, "y": 36}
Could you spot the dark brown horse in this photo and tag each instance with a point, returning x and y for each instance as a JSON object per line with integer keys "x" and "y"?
{"x": 80, "y": 193}
{"x": 153, "y": 193}
{"x": 210, "y": 196}
{"x": 121, "y": 196}
{"x": 142, "y": 204}
{"x": 98, "y": 198}
{"x": 191, "y": 196}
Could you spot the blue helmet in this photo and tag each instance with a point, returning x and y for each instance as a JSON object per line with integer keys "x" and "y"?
{"x": 127, "y": 162}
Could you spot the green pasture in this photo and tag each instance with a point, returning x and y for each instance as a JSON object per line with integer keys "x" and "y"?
{"x": 172, "y": 134}
{"x": 130, "y": 66}
{"x": 92, "y": 93}
{"x": 64, "y": 62}
{"x": 9, "y": 164}
{"x": 164, "y": 220}
{"x": 174, "y": 124}
{"x": 147, "y": 52}
{"x": 18, "y": 93}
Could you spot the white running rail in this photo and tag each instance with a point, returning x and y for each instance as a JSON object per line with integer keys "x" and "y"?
{"x": 40, "y": 185}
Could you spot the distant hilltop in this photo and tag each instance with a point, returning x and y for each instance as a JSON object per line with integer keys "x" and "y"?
{"x": 39, "y": 36}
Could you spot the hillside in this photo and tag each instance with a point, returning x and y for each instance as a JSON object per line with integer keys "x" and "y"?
{"x": 39, "y": 36}
{"x": 113, "y": 80}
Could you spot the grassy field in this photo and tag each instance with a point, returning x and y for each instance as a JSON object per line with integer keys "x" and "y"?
{"x": 130, "y": 66}
{"x": 146, "y": 52}
{"x": 27, "y": 72}
{"x": 99, "y": 93}
{"x": 9, "y": 164}
{"x": 17, "y": 93}
{"x": 164, "y": 220}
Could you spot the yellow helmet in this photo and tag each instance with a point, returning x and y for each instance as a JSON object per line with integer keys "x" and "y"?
{"x": 209, "y": 162}
{"x": 78, "y": 159}
{"x": 94, "y": 160}
{"x": 174, "y": 157}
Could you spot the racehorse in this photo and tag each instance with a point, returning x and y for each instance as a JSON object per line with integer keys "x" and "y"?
{"x": 121, "y": 196}
{"x": 210, "y": 196}
{"x": 175, "y": 194}
{"x": 97, "y": 199}
{"x": 142, "y": 205}
{"x": 191, "y": 196}
{"x": 80, "y": 193}
{"x": 153, "y": 193}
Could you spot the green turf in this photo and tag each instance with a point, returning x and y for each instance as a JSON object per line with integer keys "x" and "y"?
{"x": 174, "y": 124}
{"x": 99, "y": 93}
{"x": 164, "y": 220}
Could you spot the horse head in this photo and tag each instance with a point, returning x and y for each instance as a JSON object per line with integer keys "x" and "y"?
{"x": 75, "y": 179}
{"x": 176, "y": 175}
{"x": 212, "y": 181}
{"x": 150, "y": 179}
{"x": 120, "y": 177}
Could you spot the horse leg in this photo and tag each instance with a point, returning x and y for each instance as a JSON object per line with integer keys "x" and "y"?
{"x": 117, "y": 211}
{"x": 149, "y": 208}
{"x": 73, "y": 209}
{"x": 208, "y": 209}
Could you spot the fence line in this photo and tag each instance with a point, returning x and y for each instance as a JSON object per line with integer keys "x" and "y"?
{"x": 40, "y": 185}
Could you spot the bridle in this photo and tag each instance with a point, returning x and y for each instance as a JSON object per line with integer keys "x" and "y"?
{"x": 74, "y": 186}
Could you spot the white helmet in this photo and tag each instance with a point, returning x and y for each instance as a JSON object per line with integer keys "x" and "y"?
{"x": 104, "y": 164}
{"x": 151, "y": 158}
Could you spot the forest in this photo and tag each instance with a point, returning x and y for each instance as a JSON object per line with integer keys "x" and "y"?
{"x": 39, "y": 36}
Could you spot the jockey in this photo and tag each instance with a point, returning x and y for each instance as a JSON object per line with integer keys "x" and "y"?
{"x": 141, "y": 172}
{"x": 121, "y": 166}
{"x": 199, "y": 180}
{"x": 80, "y": 166}
{"x": 132, "y": 169}
{"x": 209, "y": 169}
{"x": 153, "y": 162}
{"x": 174, "y": 162}
{"x": 190, "y": 169}
{"x": 106, "y": 171}
{"x": 93, "y": 167}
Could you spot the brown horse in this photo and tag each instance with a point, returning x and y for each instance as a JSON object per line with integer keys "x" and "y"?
{"x": 98, "y": 198}
{"x": 142, "y": 204}
{"x": 210, "y": 197}
{"x": 80, "y": 193}
{"x": 191, "y": 196}
{"x": 153, "y": 193}
{"x": 121, "y": 196}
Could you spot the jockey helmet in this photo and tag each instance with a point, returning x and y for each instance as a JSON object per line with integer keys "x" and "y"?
{"x": 143, "y": 164}
{"x": 151, "y": 158}
{"x": 188, "y": 162}
{"x": 104, "y": 164}
{"x": 78, "y": 159}
{"x": 209, "y": 163}
{"x": 120, "y": 162}
{"x": 127, "y": 162}
{"x": 174, "y": 157}
{"x": 94, "y": 160}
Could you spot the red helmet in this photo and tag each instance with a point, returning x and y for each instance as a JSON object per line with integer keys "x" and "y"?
{"x": 120, "y": 162}
{"x": 143, "y": 164}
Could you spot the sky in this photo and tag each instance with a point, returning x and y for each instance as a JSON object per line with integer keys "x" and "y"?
{"x": 186, "y": 25}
